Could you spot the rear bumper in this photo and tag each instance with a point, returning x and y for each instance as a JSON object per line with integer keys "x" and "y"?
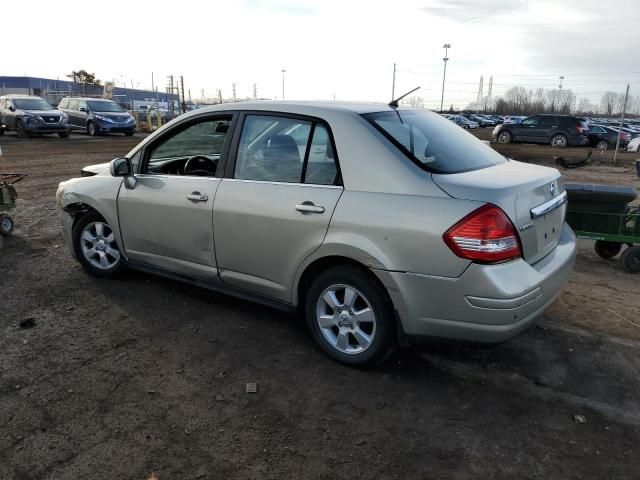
{"x": 579, "y": 140}
{"x": 487, "y": 303}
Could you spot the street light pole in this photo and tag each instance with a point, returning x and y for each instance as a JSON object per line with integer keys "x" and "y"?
{"x": 284, "y": 70}
{"x": 446, "y": 47}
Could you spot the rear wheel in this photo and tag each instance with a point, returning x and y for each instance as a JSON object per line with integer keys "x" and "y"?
{"x": 95, "y": 246}
{"x": 505, "y": 137}
{"x": 64, "y": 134}
{"x": 6, "y": 224}
{"x": 606, "y": 249}
{"x": 350, "y": 316}
{"x": 559, "y": 141}
{"x": 630, "y": 259}
{"x": 602, "y": 145}
{"x": 20, "y": 130}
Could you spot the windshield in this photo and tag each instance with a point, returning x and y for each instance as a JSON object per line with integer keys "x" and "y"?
{"x": 96, "y": 106}
{"x": 435, "y": 143}
{"x": 31, "y": 104}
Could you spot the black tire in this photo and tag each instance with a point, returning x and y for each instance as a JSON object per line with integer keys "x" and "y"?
{"x": 64, "y": 134}
{"x": 504, "y": 137}
{"x": 78, "y": 229}
{"x": 2, "y": 131}
{"x": 129, "y": 134}
{"x": 630, "y": 259}
{"x": 559, "y": 140}
{"x": 20, "y": 130}
{"x": 6, "y": 224}
{"x": 602, "y": 145}
{"x": 371, "y": 292}
{"x": 606, "y": 249}
{"x": 93, "y": 129}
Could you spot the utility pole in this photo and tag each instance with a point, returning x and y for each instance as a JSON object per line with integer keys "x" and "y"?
{"x": 170, "y": 99}
{"x": 184, "y": 105}
{"x": 624, "y": 108}
{"x": 284, "y": 70}
{"x": 255, "y": 92}
{"x": 393, "y": 83}
{"x": 153, "y": 86}
{"x": 446, "y": 47}
{"x": 561, "y": 77}
{"x": 234, "y": 92}
{"x": 220, "y": 95}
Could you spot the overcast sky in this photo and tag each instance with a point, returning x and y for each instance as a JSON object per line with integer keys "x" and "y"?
{"x": 341, "y": 48}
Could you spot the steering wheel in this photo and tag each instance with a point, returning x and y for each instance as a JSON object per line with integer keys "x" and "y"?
{"x": 200, "y": 166}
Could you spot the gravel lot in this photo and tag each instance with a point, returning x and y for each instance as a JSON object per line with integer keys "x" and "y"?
{"x": 142, "y": 376}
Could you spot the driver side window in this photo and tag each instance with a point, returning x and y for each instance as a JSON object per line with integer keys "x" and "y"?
{"x": 192, "y": 151}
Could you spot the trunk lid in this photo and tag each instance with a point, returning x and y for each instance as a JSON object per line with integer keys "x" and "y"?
{"x": 524, "y": 192}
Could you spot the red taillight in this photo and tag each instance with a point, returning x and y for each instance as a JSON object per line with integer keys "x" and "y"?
{"x": 486, "y": 235}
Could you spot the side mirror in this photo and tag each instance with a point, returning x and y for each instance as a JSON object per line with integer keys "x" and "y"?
{"x": 12, "y": 108}
{"x": 121, "y": 167}
{"x": 82, "y": 109}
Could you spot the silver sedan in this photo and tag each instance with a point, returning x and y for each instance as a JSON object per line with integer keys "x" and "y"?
{"x": 381, "y": 225}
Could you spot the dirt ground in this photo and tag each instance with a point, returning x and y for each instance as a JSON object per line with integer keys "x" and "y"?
{"x": 142, "y": 376}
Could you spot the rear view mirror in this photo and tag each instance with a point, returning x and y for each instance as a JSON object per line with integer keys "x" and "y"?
{"x": 120, "y": 167}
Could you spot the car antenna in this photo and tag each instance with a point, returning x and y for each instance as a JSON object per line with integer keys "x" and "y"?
{"x": 395, "y": 104}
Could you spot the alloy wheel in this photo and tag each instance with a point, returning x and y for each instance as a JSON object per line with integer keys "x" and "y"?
{"x": 559, "y": 141}
{"x": 504, "y": 137}
{"x": 346, "y": 319}
{"x": 99, "y": 247}
{"x": 602, "y": 145}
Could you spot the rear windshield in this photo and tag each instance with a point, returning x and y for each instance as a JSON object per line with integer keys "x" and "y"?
{"x": 433, "y": 142}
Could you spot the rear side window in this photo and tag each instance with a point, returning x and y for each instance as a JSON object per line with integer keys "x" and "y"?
{"x": 73, "y": 105}
{"x": 433, "y": 142}
{"x": 282, "y": 149}
{"x": 64, "y": 103}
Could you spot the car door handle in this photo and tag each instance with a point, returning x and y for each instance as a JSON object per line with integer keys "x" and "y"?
{"x": 309, "y": 207}
{"x": 197, "y": 197}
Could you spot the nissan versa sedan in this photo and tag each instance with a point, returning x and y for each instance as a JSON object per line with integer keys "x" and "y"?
{"x": 381, "y": 225}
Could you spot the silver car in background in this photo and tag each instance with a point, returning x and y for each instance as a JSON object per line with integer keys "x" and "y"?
{"x": 381, "y": 225}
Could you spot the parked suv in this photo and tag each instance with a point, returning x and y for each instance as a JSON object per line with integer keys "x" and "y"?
{"x": 97, "y": 116}
{"x": 28, "y": 115}
{"x": 557, "y": 130}
{"x": 380, "y": 224}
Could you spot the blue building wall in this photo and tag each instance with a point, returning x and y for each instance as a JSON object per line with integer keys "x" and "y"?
{"x": 42, "y": 86}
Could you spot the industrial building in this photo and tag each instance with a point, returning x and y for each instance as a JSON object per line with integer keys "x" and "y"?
{"x": 53, "y": 90}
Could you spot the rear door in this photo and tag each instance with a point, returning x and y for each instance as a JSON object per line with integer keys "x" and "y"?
{"x": 273, "y": 207}
{"x": 72, "y": 111}
{"x": 547, "y": 126}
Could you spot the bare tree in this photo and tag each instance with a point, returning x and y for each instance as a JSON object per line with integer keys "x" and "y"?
{"x": 415, "y": 102}
{"x": 608, "y": 102}
{"x": 585, "y": 106}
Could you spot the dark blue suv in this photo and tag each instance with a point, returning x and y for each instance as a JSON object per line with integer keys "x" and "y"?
{"x": 97, "y": 116}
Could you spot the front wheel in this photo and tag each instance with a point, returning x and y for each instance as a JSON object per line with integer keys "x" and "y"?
{"x": 602, "y": 145}
{"x": 63, "y": 134}
{"x": 559, "y": 141}
{"x": 350, "y": 316}
{"x": 630, "y": 259}
{"x": 20, "y": 130}
{"x": 6, "y": 224}
{"x": 95, "y": 246}
{"x": 93, "y": 129}
{"x": 606, "y": 249}
{"x": 129, "y": 134}
{"x": 505, "y": 137}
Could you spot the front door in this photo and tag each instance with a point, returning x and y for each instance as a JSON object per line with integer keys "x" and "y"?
{"x": 275, "y": 210}
{"x": 166, "y": 219}
{"x": 525, "y": 131}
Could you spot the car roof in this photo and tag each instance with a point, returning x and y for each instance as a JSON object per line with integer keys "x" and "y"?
{"x": 19, "y": 96}
{"x": 302, "y": 107}
{"x": 89, "y": 98}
